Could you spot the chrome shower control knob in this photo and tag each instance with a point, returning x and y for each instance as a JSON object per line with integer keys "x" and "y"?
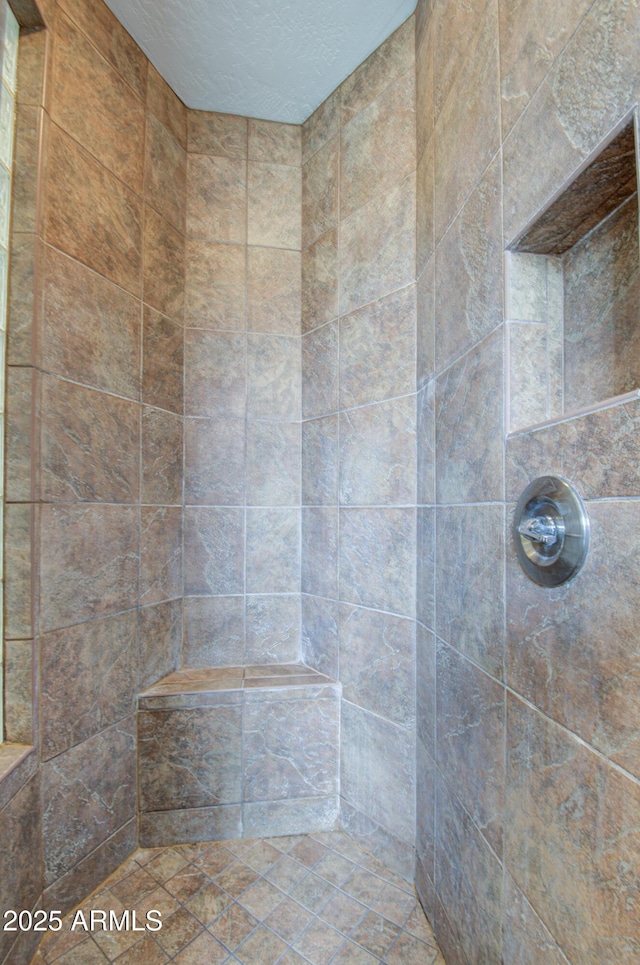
{"x": 551, "y": 531}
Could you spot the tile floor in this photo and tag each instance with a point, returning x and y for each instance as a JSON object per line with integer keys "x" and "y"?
{"x": 304, "y": 900}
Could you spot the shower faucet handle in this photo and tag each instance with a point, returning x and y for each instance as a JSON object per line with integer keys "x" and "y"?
{"x": 540, "y": 529}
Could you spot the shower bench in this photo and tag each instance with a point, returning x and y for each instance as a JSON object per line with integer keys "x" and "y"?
{"x": 230, "y": 752}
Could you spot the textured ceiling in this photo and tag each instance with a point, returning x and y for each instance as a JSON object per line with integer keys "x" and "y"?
{"x": 272, "y": 59}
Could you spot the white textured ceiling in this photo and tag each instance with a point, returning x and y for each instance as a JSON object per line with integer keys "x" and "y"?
{"x": 272, "y": 59}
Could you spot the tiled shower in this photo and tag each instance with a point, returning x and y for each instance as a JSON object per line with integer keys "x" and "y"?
{"x": 259, "y": 385}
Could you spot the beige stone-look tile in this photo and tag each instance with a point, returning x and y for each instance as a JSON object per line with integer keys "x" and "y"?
{"x": 88, "y": 680}
{"x": 426, "y": 443}
{"x": 426, "y": 688}
{"x": 91, "y": 215}
{"x": 378, "y": 454}
{"x": 95, "y": 106}
{"x": 224, "y": 135}
{"x": 214, "y": 559}
{"x": 165, "y": 175}
{"x": 559, "y": 794}
{"x": 160, "y": 554}
{"x": 185, "y": 883}
{"x": 71, "y": 796}
{"x": 469, "y": 425}
{"x": 470, "y": 545}
{"x": 288, "y": 919}
{"x": 237, "y": 878}
{"x": 273, "y": 463}
{"x": 426, "y": 325}
{"x": 20, "y": 411}
{"x": 272, "y": 629}
{"x": 556, "y": 120}
{"x": 274, "y": 196}
{"x": 216, "y": 199}
{"x": 525, "y": 939}
{"x": 163, "y": 272}
{"x": 531, "y": 39}
{"x": 471, "y": 898}
{"x": 468, "y": 272}
{"x": 274, "y": 287}
{"x": 25, "y": 169}
{"x": 468, "y": 125}
{"x": 425, "y": 206}
{"x": 160, "y": 641}
{"x": 275, "y": 142}
{"x": 320, "y": 192}
{"x": 110, "y": 37}
{"x": 391, "y": 60}
{"x": 215, "y": 286}
{"x": 145, "y": 952}
{"x": 454, "y": 31}
{"x": 166, "y": 106}
{"x": 321, "y": 125}
{"x": 273, "y": 377}
{"x": 377, "y": 663}
{"x": 18, "y": 689}
{"x": 376, "y": 934}
{"x": 90, "y": 327}
{"x": 318, "y": 942}
{"x": 409, "y": 950}
{"x": 161, "y": 457}
{"x": 215, "y": 374}
{"x": 162, "y": 361}
{"x": 377, "y": 350}
{"x": 320, "y": 372}
{"x": 214, "y": 631}
{"x": 20, "y": 301}
{"x": 528, "y": 386}
{"x": 203, "y": 948}
{"x": 378, "y": 247}
{"x": 470, "y": 725}
{"x": 425, "y": 826}
{"x": 320, "y": 551}
{"x": 233, "y": 926}
{"x": 425, "y": 81}
{"x": 89, "y": 562}
{"x": 90, "y": 445}
{"x": 320, "y": 461}
{"x": 320, "y": 281}
{"x": 377, "y": 148}
{"x": 214, "y": 461}
{"x": 377, "y": 770}
{"x": 190, "y": 760}
{"x": 273, "y": 550}
{"x": 572, "y": 650}
{"x": 377, "y": 558}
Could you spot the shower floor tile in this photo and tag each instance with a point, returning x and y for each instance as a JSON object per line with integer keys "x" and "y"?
{"x": 314, "y": 899}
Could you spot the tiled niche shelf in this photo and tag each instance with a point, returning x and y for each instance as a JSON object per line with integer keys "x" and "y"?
{"x": 573, "y": 295}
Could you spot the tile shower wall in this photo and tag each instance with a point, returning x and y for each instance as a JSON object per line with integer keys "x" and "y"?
{"x": 527, "y": 777}
{"x": 94, "y": 478}
{"x": 242, "y": 392}
{"x": 359, "y": 428}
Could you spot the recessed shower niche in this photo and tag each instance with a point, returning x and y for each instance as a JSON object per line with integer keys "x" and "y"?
{"x": 573, "y": 293}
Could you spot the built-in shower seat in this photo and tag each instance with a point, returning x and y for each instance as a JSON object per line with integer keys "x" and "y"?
{"x": 232, "y": 752}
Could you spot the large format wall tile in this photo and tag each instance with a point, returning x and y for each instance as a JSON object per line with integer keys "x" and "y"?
{"x": 320, "y": 379}
{"x": 469, "y": 752}
{"x": 273, "y": 291}
{"x": 273, "y": 377}
{"x": 470, "y": 548}
{"x": 377, "y": 665}
{"x": 214, "y": 462}
{"x": 89, "y": 792}
{"x": 90, "y": 327}
{"x": 378, "y": 145}
{"x": 165, "y": 176}
{"x": 272, "y": 629}
{"x": 216, "y": 199}
{"x": 320, "y": 192}
{"x": 91, "y": 215}
{"x": 90, "y": 445}
{"x": 160, "y": 554}
{"x": 190, "y": 758}
{"x": 525, "y": 939}
{"x": 161, "y": 457}
{"x": 214, "y": 631}
{"x": 290, "y": 749}
{"x": 213, "y": 551}
{"x": 469, "y": 426}
{"x": 275, "y": 142}
{"x": 468, "y": 270}
{"x": 387, "y": 63}
{"x": 88, "y": 677}
{"x": 273, "y": 202}
{"x": 573, "y": 650}
{"x": 273, "y": 550}
{"x": 378, "y": 247}
{"x": 469, "y": 878}
{"x": 571, "y": 838}
{"x": 160, "y": 641}
{"x": 377, "y": 770}
{"x": 273, "y": 464}
{"x": 215, "y": 286}
{"x": 224, "y": 135}
{"x": 319, "y": 635}
{"x": 95, "y": 106}
{"x": 320, "y": 281}
{"x": 89, "y": 562}
{"x": 377, "y": 454}
{"x": 162, "y": 361}
{"x": 320, "y": 461}
{"x": 163, "y": 270}
{"x": 377, "y": 350}
{"x": 215, "y": 374}
{"x": 377, "y": 558}
{"x": 320, "y": 551}
{"x": 20, "y": 855}
{"x": 321, "y": 125}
